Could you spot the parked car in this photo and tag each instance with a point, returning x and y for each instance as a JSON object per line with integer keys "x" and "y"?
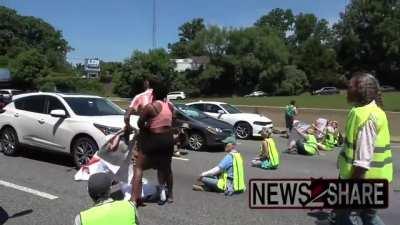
{"x": 176, "y": 95}
{"x": 256, "y": 94}
{"x": 10, "y": 92}
{"x": 245, "y": 124}
{"x": 204, "y": 131}
{"x": 72, "y": 123}
{"x": 387, "y": 88}
{"x": 326, "y": 91}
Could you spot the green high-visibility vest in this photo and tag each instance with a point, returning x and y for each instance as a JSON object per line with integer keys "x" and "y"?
{"x": 116, "y": 212}
{"x": 381, "y": 166}
{"x": 311, "y": 144}
{"x": 238, "y": 175}
{"x": 329, "y": 141}
{"x": 273, "y": 153}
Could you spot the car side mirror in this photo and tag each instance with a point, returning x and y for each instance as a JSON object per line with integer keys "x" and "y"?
{"x": 221, "y": 112}
{"x": 58, "y": 113}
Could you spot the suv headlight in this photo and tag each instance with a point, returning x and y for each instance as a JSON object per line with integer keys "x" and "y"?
{"x": 106, "y": 130}
{"x": 214, "y": 130}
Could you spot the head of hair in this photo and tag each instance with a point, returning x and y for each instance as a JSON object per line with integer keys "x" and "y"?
{"x": 293, "y": 102}
{"x": 99, "y": 186}
{"x": 366, "y": 89}
{"x": 160, "y": 88}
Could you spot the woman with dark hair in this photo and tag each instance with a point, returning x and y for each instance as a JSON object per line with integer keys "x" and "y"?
{"x": 155, "y": 143}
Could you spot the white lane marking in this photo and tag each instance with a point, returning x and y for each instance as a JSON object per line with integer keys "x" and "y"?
{"x": 28, "y": 190}
{"x": 179, "y": 158}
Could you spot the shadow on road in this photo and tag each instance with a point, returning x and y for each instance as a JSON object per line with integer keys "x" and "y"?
{"x": 54, "y": 157}
{"x": 4, "y": 217}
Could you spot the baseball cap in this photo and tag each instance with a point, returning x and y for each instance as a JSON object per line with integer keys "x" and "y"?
{"x": 229, "y": 140}
{"x": 99, "y": 184}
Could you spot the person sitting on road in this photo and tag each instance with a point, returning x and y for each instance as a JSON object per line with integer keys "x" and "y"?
{"x": 330, "y": 138}
{"x": 269, "y": 155}
{"x": 106, "y": 211}
{"x": 307, "y": 146}
{"x": 228, "y": 176}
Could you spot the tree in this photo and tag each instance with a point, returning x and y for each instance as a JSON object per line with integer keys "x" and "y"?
{"x": 368, "y": 38}
{"x": 278, "y": 19}
{"x": 294, "y": 81}
{"x": 213, "y": 41}
{"x": 27, "y": 68}
{"x": 140, "y": 66}
{"x": 187, "y": 33}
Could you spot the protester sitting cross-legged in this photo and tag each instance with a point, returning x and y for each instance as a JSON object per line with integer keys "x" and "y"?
{"x": 268, "y": 157}
{"x": 228, "y": 176}
{"x": 106, "y": 211}
{"x": 306, "y": 146}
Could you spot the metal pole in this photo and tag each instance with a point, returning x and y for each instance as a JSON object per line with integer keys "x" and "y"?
{"x": 154, "y": 25}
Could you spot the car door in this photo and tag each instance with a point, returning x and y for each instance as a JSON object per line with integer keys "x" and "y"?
{"x": 56, "y": 129}
{"x": 29, "y": 114}
{"x": 212, "y": 110}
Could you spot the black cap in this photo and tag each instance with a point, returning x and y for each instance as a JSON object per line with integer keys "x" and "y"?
{"x": 99, "y": 184}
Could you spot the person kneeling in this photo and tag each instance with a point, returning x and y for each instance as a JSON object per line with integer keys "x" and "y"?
{"x": 269, "y": 154}
{"x": 106, "y": 211}
{"x": 228, "y": 176}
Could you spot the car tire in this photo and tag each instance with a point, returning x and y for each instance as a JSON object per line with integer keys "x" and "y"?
{"x": 82, "y": 150}
{"x": 243, "y": 130}
{"x": 196, "y": 141}
{"x": 9, "y": 141}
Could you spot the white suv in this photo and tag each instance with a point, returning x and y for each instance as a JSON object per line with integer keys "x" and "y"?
{"x": 245, "y": 125}
{"x": 176, "y": 95}
{"x": 77, "y": 124}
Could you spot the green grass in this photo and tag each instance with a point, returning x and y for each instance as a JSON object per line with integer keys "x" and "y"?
{"x": 391, "y": 101}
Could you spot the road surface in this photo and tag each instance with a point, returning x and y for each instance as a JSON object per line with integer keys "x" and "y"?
{"x": 37, "y": 187}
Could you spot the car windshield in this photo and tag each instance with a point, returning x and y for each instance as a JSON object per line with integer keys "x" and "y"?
{"x": 192, "y": 112}
{"x": 93, "y": 106}
{"x": 230, "y": 109}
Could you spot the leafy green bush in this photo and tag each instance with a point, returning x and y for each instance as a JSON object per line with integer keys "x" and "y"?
{"x": 71, "y": 85}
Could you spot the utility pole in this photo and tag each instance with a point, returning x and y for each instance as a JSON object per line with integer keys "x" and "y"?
{"x": 154, "y": 25}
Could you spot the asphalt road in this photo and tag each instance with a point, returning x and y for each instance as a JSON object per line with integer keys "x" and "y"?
{"x": 52, "y": 173}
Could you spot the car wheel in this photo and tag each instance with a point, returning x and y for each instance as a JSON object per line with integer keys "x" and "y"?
{"x": 83, "y": 148}
{"x": 196, "y": 141}
{"x": 9, "y": 141}
{"x": 243, "y": 130}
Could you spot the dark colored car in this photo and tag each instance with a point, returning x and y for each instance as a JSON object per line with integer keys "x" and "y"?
{"x": 326, "y": 91}
{"x": 204, "y": 131}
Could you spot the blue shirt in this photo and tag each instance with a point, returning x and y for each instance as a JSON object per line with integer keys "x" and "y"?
{"x": 226, "y": 165}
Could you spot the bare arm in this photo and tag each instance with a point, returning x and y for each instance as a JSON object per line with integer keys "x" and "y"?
{"x": 129, "y": 111}
{"x": 265, "y": 150}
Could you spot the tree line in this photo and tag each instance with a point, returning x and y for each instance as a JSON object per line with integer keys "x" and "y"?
{"x": 282, "y": 53}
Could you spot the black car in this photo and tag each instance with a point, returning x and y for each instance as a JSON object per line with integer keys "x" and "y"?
{"x": 387, "y": 88}
{"x": 204, "y": 131}
{"x": 326, "y": 91}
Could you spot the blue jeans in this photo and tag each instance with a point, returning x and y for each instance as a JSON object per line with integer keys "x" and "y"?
{"x": 368, "y": 217}
{"x": 210, "y": 184}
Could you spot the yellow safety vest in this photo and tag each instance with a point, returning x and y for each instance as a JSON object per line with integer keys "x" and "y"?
{"x": 381, "y": 166}
{"x": 238, "y": 175}
{"x": 116, "y": 212}
{"x": 310, "y": 145}
{"x": 273, "y": 153}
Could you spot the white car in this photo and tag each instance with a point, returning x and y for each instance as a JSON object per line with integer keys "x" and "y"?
{"x": 256, "y": 94}
{"x": 245, "y": 124}
{"x": 10, "y": 92}
{"x": 76, "y": 124}
{"x": 176, "y": 95}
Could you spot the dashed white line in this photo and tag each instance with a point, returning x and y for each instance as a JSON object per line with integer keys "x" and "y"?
{"x": 179, "y": 158}
{"x": 28, "y": 190}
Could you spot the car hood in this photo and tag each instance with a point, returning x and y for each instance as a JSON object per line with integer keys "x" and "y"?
{"x": 111, "y": 121}
{"x": 212, "y": 122}
{"x": 250, "y": 117}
